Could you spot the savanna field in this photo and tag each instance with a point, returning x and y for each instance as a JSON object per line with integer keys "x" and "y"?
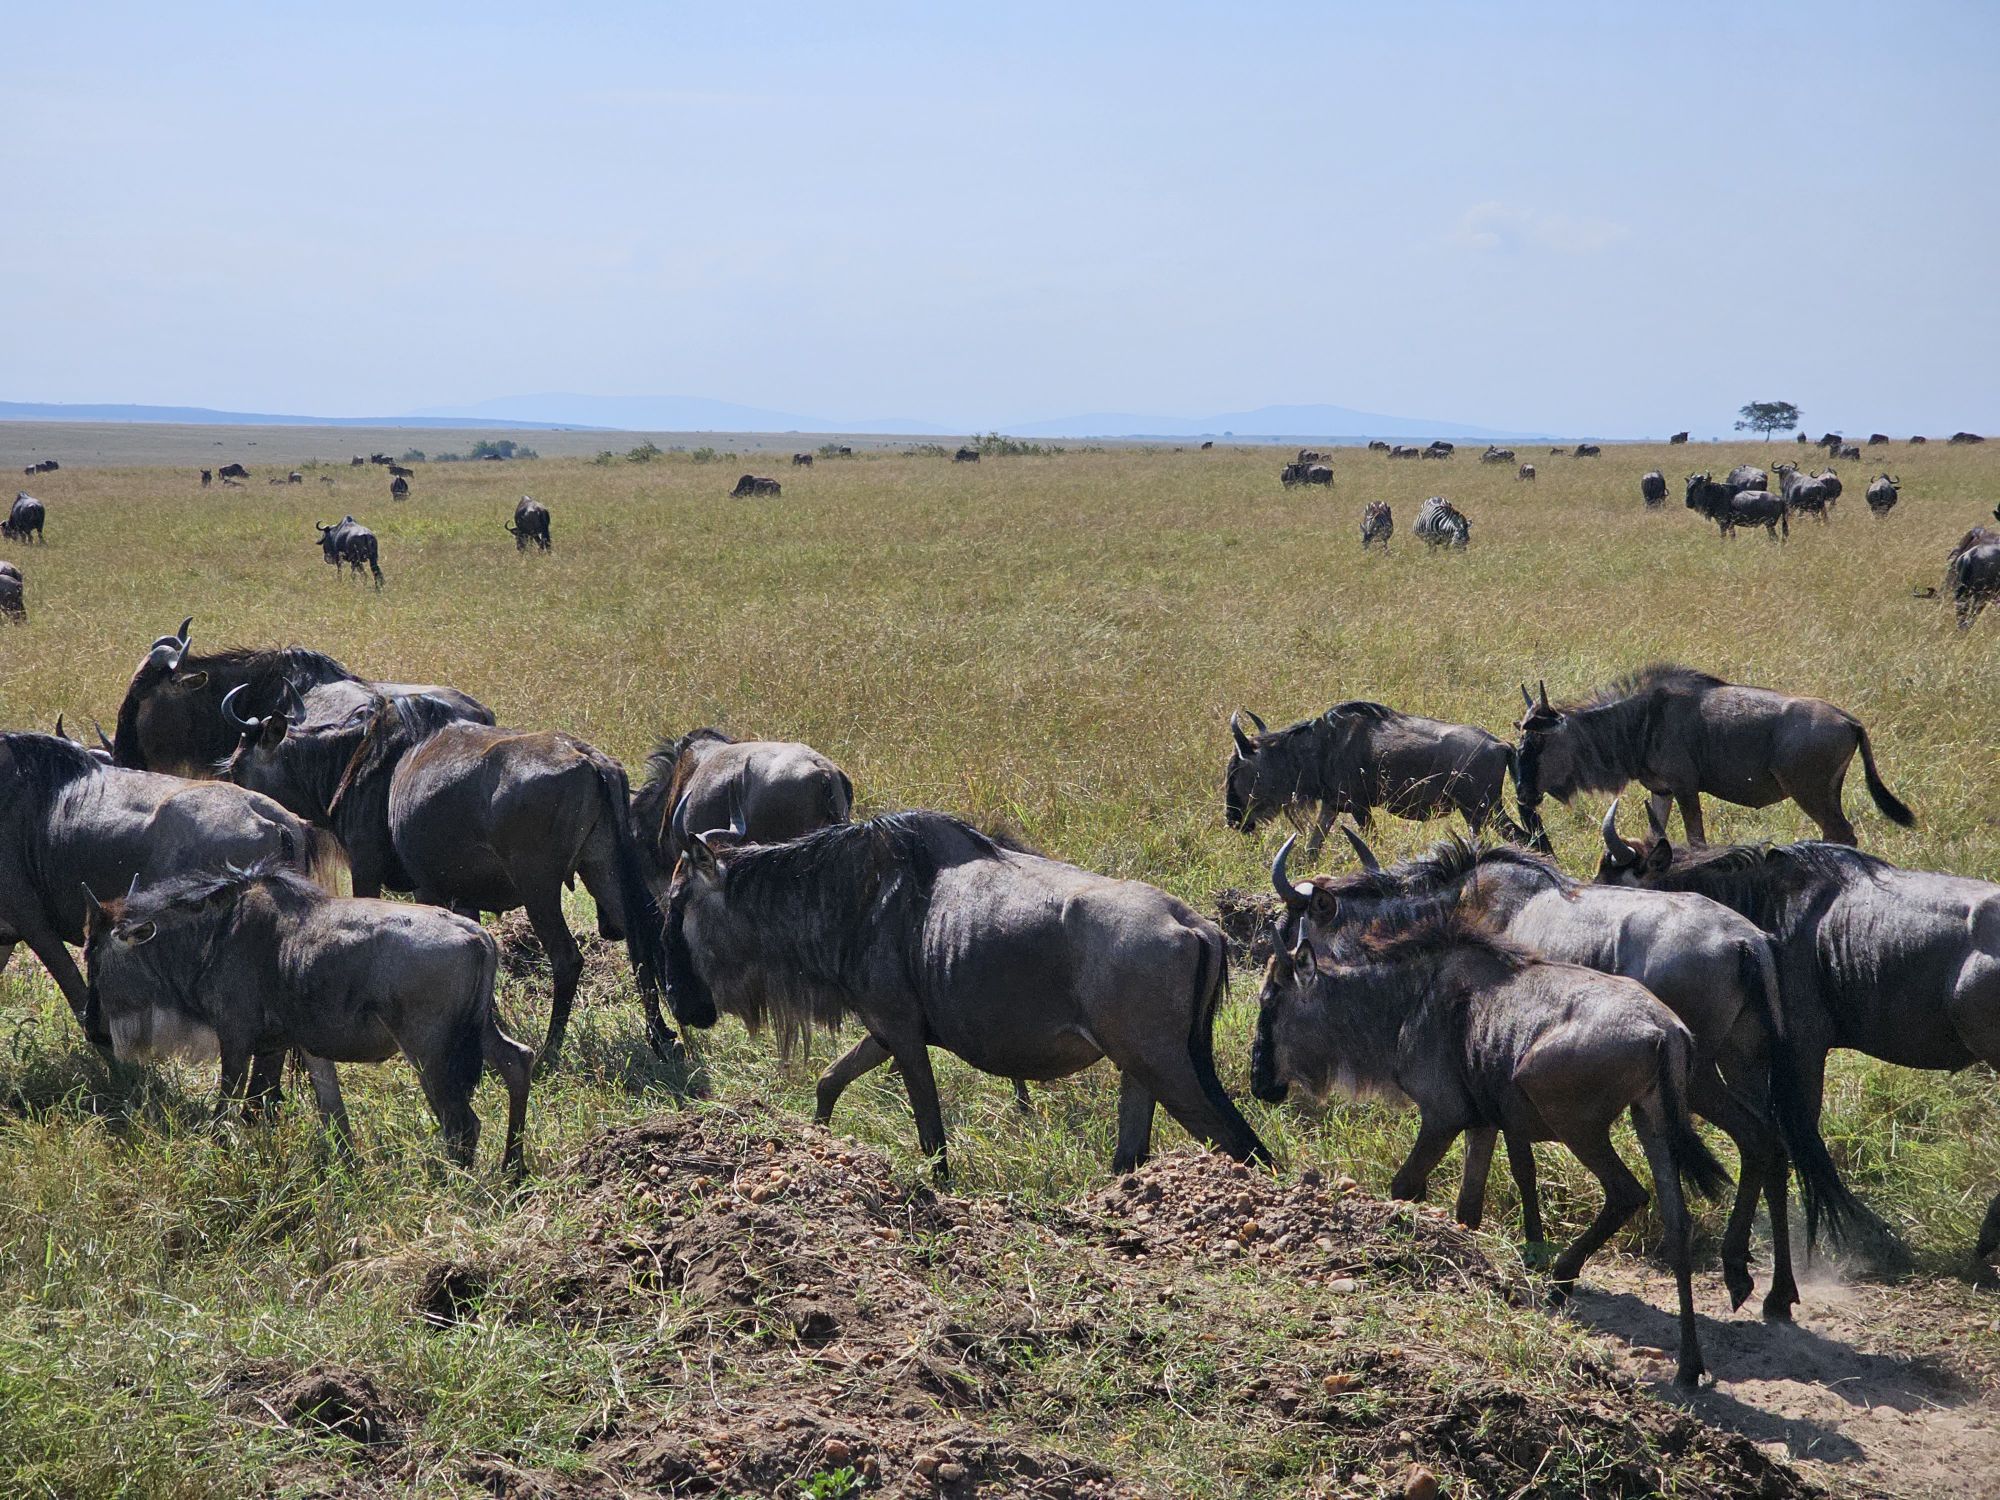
{"x": 696, "y": 1292}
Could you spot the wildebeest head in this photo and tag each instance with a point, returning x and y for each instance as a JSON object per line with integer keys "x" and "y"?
{"x": 140, "y": 955}
{"x": 1544, "y": 760}
{"x": 698, "y": 904}
{"x": 1264, "y": 771}
{"x": 1625, "y": 863}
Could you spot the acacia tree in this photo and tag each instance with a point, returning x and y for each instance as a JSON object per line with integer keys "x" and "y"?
{"x": 1768, "y": 417}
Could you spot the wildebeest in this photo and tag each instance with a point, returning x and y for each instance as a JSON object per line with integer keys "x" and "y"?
{"x": 356, "y": 462}
{"x": 1883, "y": 492}
{"x": 530, "y": 524}
{"x": 1310, "y": 456}
{"x": 475, "y": 818}
{"x": 1915, "y": 440}
{"x": 1442, "y": 524}
{"x": 966, "y": 456}
{"x": 1680, "y": 733}
{"x": 1903, "y": 965}
{"x": 348, "y": 541}
{"x": 1404, "y": 450}
{"x": 1439, "y": 448}
{"x": 13, "y": 594}
{"x": 1831, "y": 441}
{"x": 1747, "y": 477}
{"x": 399, "y": 471}
{"x": 67, "y": 820}
{"x": 1653, "y": 489}
{"x": 1711, "y": 967}
{"x": 1377, "y": 445}
{"x": 1830, "y": 482}
{"x": 295, "y": 477}
{"x": 207, "y": 478}
{"x": 1378, "y": 524}
{"x": 250, "y": 963}
{"x": 1876, "y": 439}
{"x": 1803, "y": 494}
{"x": 1803, "y": 439}
{"x": 100, "y": 752}
{"x": 1679, "y": 437}
{"x": 1494, "y": 455}
{"x": 399, "y": 488}
{"x": 1557, "y": 452}
{"x": 1729, "y": 509}
{"x": 1356, "y": 757}
{"x": 774, "y": 790}
{"x": 1972, "y": 572}
{"x": 1304, "y": 473}
{"x": 1483, "y": 1036}
{"x": 752, "y": 484}
{"x": 1588, "y": 450}
{"x": 1966, "y": 437}
{"x": 1848, "y": 450}
{"x": 1207, "y": 445}
{"x": 380, "y": 458}
{"x": 802, "y": 460}
{"x": 232, "y": 471}
{"x": 931, "y": 934}
{"x": 45, "y": 466}
{"x": 25, "y": 519}
{"x": 1526, "y": 471}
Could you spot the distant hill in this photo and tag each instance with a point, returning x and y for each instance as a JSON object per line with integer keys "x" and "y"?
{"x": 664, "y": 414}
{"x": 202, "y": 416}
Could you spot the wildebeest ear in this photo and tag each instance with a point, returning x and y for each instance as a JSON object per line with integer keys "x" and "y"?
{"x": 138, "y": 935}
{"x": 1659, "y": 857}
{"x": 1322, "y": 906}
{"x": 701, "y": 855}
{"x": 274, "y": 730}
{"x": 191, "y": 679}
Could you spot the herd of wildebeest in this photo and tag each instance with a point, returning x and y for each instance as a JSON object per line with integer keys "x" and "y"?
{"x": 197, "y": 855}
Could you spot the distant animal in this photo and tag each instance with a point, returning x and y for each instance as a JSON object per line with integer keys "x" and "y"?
{"x": 326, "y": 479}
{"x": 847, "y": 453}
{"x": 1972, "y": 572}
{"x": 530, "y": 524}
{"x": 13, "y": 594}
{"x": 207, "y": 478}
{"x": 1310, "y": 456}
{"x": 774, "y": 790}
{"x": 282, "y": 965}
{"x": 1356, "y": 757}
{"x": 1802, "y": 436}
{"x": 1442, "y": 524}
{"x": 1875, "y": 439}
{"x": 1915, "y": 440}
{"x": 1831, "y": 441}
{"x": 1679, "y": 437}
{"x": 1526, "y": 471}
{"x": 1848, "y": 450}
{"x": 1883, "y": 492}
{"x": 802, "y": 460}
{"x": 402, "y": 471}
{"x": 1494, "y": 455}
{"x": 348, "y": 541}
{"x": 1653, "y": 489}
{"x": 25, "y": 519}
{"x": 231, "y": 484}
{"x": 1558, "y": 452}
{"x": 399, "y": 488}
{"x": 1378, "y": 524}
{"x": 1376, "y": 445}
{"x": 1405, "y": 450}
{"x": 1294, "y": 474}
{"x": 295, "y": 477}
{"x": 966, "y": 456}
{"x": 931, "y": 934}
{"x": 1439, "y": 448}
{"x": 1966, "y": 437}
{"x": 1730, "y": 509}
{"x": 45, "y": 466}
{"x": 1206, "y": 446}
{"x": 1747, "y": 477}
{"x": 1803, "y": 494}
{"x": 380, "y": 458}
{"x": 233, "y": 471}
{"x": 1588, "y": 450}
{"x": 1680, "y": 733}
{"x": 752, "y": 484}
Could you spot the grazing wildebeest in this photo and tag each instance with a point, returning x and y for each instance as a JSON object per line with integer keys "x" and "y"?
{"x": 349, "y": 542}
{"x": 931, "y": 934}
{"x": 399, "y": 471}
{"x": 1588, "y": 450}
{"x": 1876, "y": 439}
{"x": 1883, "y": 492}
{"x": 232, "y": 471}
{"x": 253, "y": 962}
{"x": 966, "y": 456}
{"x": 1377, "y": 445}
{"x": 1378, "y": 524}
{"x": 1653, "y": 489}
{"x": 207, "y": 478}
{"x": 1747, "y": 477}
{"x": 13, "y": 600}
{"x": 775, "y": 790}
{"x": 1966, "y": 437}
{"x": 67, "y": 819}
{"x": 1803, "y": 494}
{"x": 802, "y": 460}
{"x": 1915, "y": 440}
{"x": 1729, "y": 509}
{"x": 475, "y": 818}
{"x": 1679, "y": 733}
{"x": 752, "y": 484}
{"x": 1356, "y": 757}
{"x": 1439, "y": 448}
{"x": 1310, "y": 456}
{"x": 1527, "y": 471}
{"x": 1442, "y": 524}
{"x": 1483, "y": 1036}
{"x": 530, "y": 524}
{"x": 1848, "y": 450}
{"x": 1972, "y": 572}
{"x": 1207, "y": 445}
{"x": 1679, "y": 437}
{"x": 1903, "y": 965}
{"x": 1494, "y": 455}
{"x": 380, "y": 458}
{"x": 1831, "y": 441}
{"x": 399, "y": 488}
{"x": 1404, "y": 450}
{"x": 1708, "y": 965}
{"x": 24, "y": 519}
{"x": 356, "y": 462}
{"x": 295, "y": 477}
{"x": 1304, "y": 473}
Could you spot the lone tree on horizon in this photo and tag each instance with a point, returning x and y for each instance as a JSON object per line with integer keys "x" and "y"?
{"x": 1768, "y": 417}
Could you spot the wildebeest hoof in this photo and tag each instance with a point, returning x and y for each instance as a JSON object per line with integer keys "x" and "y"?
{"x": 666, "y": 1046}
{"x": 1688, "y": 1377}
{"x": 1737, "y": 1279}
{"x": 1778, "y": 1309}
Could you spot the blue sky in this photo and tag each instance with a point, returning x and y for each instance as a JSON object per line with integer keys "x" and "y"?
{"x": 1592, "y": 219}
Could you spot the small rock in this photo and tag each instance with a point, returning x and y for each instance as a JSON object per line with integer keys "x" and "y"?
{"x": 1343, "y": 1284}
{"x": 952, "y": 1473}
{"x": 1421, "y": 1484}
{"x": 1340, "y": 1381}
{"x": 927, "y": 1465}
{"x": 1311, "y": 1177}
{"x": 836, "y": 1454}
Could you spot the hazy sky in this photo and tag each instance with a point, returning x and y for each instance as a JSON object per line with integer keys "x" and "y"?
{"x": 1591, "y": 218}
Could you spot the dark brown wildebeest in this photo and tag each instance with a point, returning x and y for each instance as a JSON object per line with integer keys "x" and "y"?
{"x": 399, "y": 488}
{"x": 1653, "y": 489}
{"x": 1679, "y": 437}
{"x": 1679, "y": 733}
{"x": 251, "y": 963}
{"x": 752, "y": 484}
{"x": 1730, "y": 509}
{"x": 966, "y": 456}
{"x": 1378, "y": 524}
{"x": 1483, "y": 1036}
{"x": 1915, "y": 440}
{"x": 67, "y": 820}
{"x": 25, "y": 519}
{"x": 530, "y": 524}
{"x": 1903, "y": 965}
{"x": 348, "y": 541}
{"x": 207, "y": 478}
{"x": 774, "y": 790}
{"x": 1359, "y": 756}
{"x": 1207, "y": 445}
{"x": 295, "y": 477}
{"x": 1883, "y": 492}
{"x": 1442, "y": 524}
{"x": 1848, "y": 450}
{"x": 400, "y": 471}
{"x": 802, "y": 460}
{"x": 1876, "y": 439}
{"x": 232, "y": 471}
{"x": 1588, "y": 450}
{"x": 1526, "y": 471}
{"x": 932, "y": 935}
{"x": 1966, "y": 437}
{"x": 1711, "y": 967}
{"x": 13, "y": 594}
{"x": 1972, "y": 572}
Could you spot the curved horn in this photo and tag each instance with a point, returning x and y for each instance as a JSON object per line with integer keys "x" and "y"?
{"x": 1614, "y": 842}
{"x": 1526, "y": 696}
{"x": 739, "y": 820}
{"x": 59, "y": 728}
{"x": 1543, "y": 688}
{"x": 1293, "y": 896}
{"x": 678, "y": 823}
{"x": 1243, "y": 745}
{"x": 1251, "y": 715}
{"x": 229, "y": 708}
{"x": 295, "y": 709}
{"x": 103, "y": 739}
{"x": 1361, "y": 850}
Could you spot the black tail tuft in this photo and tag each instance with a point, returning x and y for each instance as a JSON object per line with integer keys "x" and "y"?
{"x": 1891, "y": 806}
{"x": 1698, "y": 1168}
{"x": 645, "y": 923}
{"x": 1211, "y": 980}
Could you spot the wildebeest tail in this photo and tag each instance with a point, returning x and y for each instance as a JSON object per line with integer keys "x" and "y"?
{"x": 1685, "y": 1148}
{"x": 645, "y": 923}
{"x": 1891, "y": 806}
{"x": 1211, "y": 979}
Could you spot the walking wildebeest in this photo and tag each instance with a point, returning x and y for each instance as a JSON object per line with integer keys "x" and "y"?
{"x": 1588, "y": 450}
{"x": 1679, "y": 437}
{"x": 1903, "y": 965}
{"x": 13, "y": 594}
{"x": 531, "y": 524}
{"x": 1710, "y": 967}
{"x": 752, "y": 484}
{"x": 1729, "y": 509}
{"x": 1830, "y": 482}
{"x": 1803, "y": 494}
{"x": 399, "y": 488}
{"x": 348, "y": 541}
{"x": 1378, "y": 524}
{"x": 25, "y": 518}
{"x": 1483, "y": 1036}
{"x": 255, "y": 962}
{"x": 1653, "y": 489}
{"x": 802, "y": 460}
{"x": 1972, "y": 572}
{"x": 475, "y": 818}
{"x": 1883, "y": 492}
{"x": 67, "y": 819}
{"x": 232, "y": 471}
{"x": 931, "y": 934}
{"x": 966, "y": 456}
{"x": 776, "y": 789}
{"x": 207, "y": 478}
{"x": 1679, "y": 733}
{"x": 1526, "y": 471}
{"x": 1359, "y": 756}
{"x": 1442, "y": 524}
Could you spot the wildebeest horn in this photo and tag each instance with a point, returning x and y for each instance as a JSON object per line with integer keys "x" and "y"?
{"x": 1543, "y": 688}
{"x": 102, "y": 738}
{"x": 1526, "y": 696}
{"x": 1262, "y": 727}
{"x": 1243, "y": 745}
{"x": 739, "y": 820}
{"x": 1293, "y": 896}
{"x": 59, "y": 729}
{"x": 295, "y": 704}
{"x": 1361, "y": 850}
{"x": 229, "y": 708}
{"x": 1614, "y": 842}
{"x": 678, "y": 823}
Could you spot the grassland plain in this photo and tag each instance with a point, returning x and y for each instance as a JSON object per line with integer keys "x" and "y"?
{"x": 1056, "y": 641}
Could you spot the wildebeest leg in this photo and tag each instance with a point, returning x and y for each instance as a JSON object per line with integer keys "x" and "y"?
{"x": 326, "y": 1094}
{"x": 235, "y": 1070}
{"x": 1021, "y": 1100}
{"x": 1822, "y": 805}
{"x": 1472, "y": 1185}
{"x": 1135, "y": 1123}
{"x": 1762, "y": 1157}
{"x": 1648, "y": 1119}
{"x": 1521, "y": 1162}
{"x": 515, "y": 1063}
{"x": 1659, "y": 807}
{"x": 1413, "y": 1178}
{"x": 545, "y": 916}
{"x": 1697, "y": 831}
{"x": 864, "y": 1056}
{"x": 1623, "y": 1197}
{"x": 267, "y": 1078}
{"x": 915, "y": 1061}
{"x": 50, "y": 949}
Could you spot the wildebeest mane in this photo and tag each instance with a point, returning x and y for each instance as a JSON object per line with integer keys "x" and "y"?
{"x": 1406, "y": 930}
{"x": 197, "y": 888}
{"x": 668, "y": 770}
{"x": 1361, "y": 708}
{"x": 1760, "y": 880}
{"x": 398, "y": 726}
{"x": 42, "y": 765}
{"x": 1659, "y": 674}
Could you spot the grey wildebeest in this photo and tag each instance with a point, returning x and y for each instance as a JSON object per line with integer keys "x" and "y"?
{"x": 348, "y": 541}
{"x": 1747, "y": 477}
{"x": 1963, "y": 437}
{"x": 1378, "y": 524}
{"x": 475, "y": 818}
{"x": 1405, "y": 450}
{"x": 13, "y": 594}
{"x": 1208, "y": 445}
{"x": 1588, "y": 450}
{"x": 966, "y": 456}
{"x": 774, "y": 790}
{"x": 1653, "y": 489}
{"x": 1903, "y": 965}
{"x": 1310, "y": 456}
{"x": 1359, "y": 756}
{"x": 1972, "y": 572}
{"x": 1526, "y": 471}
{"x": 1439, "y": 448}
{"x": 171, "y": 717}
{"x": 295, "y": 477}
{"x": 1848, "y": 450}
{"x": 930, "y": 934}
{"x": 1830, "y": 482}
{"x": 1876, "y": 439}
{"x": 1711, "y": 967}
{"x": 399, "y": 488}
{"x": 232, "y": 471}
{"x": 1304, "y": 473}
{"x": 752, "y": 484}
{"x": 1883, "y": 493}
{"x": 1442, "y": 524}
{"x": 251, "y": 963}
{"x": 1494, "y": 455}
{"x": 802, "y": 460}
{"x": 67, "y": 819}
{"x": 530, "y": 524}
{"x": 1679, "y": 437}
{"x": 1679, "y": 733}
{"x": 25, "y": 519}
{"x": 1375, "y": 445}
{"x": 1730, "y": 509}
{"x": 1484, "y": 1037}
{"x": 399, "y": 471}
{"x": 1803, "y": 494}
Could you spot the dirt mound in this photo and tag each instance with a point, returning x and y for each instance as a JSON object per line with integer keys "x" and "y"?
{"x": 324, "y": 1398}
{"x": 1245, "y": 918}
{"x": 523, "y": 957}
